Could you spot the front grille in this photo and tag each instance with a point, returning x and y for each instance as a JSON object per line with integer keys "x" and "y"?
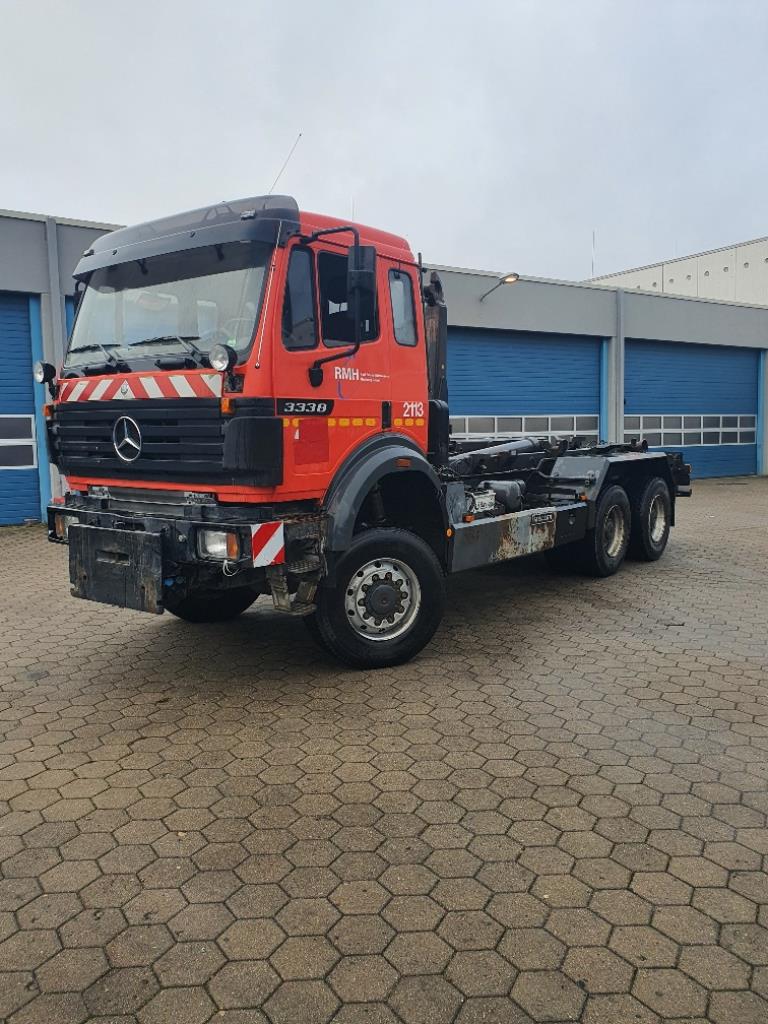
{"x": 181, "y": 439}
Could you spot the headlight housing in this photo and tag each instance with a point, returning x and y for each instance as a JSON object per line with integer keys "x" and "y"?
{"x": 222, "y": 357}
{"x": 43, "y": 373}
{"x": 218, "y": 545}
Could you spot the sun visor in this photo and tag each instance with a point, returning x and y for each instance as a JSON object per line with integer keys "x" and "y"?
{"x": 257, "y": 219}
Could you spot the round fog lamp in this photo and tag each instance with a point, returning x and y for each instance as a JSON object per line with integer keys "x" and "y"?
{"x": 222, "y": 357}
{"x": 43, "y": 372}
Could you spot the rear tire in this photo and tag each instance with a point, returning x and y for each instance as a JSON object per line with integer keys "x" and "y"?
{"x": 212, "y": 605}
{"x": 604, "y": 548}
{"x": 651, "y": 519}
{"x": 386, "y": 603}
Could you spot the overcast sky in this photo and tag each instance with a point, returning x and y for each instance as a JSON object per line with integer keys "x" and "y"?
{"x": 492, "y": 134}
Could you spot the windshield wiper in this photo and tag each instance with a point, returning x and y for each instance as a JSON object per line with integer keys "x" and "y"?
{"x": 187, "y": 340}
{"x": 105, "y": 348}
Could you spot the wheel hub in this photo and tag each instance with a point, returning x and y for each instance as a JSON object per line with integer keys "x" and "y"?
{"x": 382, "y": 599}
{"x": 657, "y": 519}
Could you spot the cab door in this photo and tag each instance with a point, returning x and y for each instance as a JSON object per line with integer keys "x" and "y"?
{"x": 323, "y": 425}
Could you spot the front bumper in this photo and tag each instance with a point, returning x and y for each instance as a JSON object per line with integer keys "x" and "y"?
{"x": 135, "y": 560}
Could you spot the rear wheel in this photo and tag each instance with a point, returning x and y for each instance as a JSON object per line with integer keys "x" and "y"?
{"x": 604, "y": 548}
{"x": 211, "y": 605}
{"x": 651, "y": 519}
{"x": 386, "y": 602}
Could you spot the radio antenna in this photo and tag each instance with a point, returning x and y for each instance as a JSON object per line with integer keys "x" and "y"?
{"x": 285, "y": 164}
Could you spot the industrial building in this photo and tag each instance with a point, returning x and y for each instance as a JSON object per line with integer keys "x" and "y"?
{"x": 595, "y": 359}
{"x": 735, "y": 273}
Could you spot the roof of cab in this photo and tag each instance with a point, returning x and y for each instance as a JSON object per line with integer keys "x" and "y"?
{"x": 387, "y": 244}
{"x": 196, "y": 227}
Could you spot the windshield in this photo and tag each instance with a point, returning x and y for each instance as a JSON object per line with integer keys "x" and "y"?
{"x": 179, "y": 303}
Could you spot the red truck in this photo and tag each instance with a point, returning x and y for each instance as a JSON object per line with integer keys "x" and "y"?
{"x": 254, "y": 401}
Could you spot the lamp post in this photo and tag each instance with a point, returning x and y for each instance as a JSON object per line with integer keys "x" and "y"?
{"x": 512, "y": 278}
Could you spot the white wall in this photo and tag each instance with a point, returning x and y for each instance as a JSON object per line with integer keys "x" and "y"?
{"x": 737, "y": 274}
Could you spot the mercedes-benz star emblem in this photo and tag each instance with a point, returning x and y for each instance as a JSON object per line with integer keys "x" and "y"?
{"x": 126, "y": 438}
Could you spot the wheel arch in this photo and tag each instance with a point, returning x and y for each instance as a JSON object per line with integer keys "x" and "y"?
{"x": 408, "y": 484}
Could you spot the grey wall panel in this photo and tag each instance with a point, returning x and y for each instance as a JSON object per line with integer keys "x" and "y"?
{"x": 73, "y": 241}
{"x": 23, "y": 256}
{"x": 530, "y": 305}
{"x": 700, "y": 322}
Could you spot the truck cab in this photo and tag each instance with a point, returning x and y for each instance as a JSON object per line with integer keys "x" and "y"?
{"x": 254, "y": 400}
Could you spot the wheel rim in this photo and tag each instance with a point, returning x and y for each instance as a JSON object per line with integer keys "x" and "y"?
{"x": 614, "y": 531}
{"x": 382, "y": 599}
{"x": 657, "y": 519}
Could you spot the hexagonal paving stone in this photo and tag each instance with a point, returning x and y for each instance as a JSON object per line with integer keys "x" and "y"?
{"x": 643, "y": 946}
{"x": 670, "y": 993}
{"x": 311, "y": 1002}
{"x": 598, "y": 970}
{"x": 361, "y": 933}
{"x": 418, "y": 953}
{"x": 189, "y": 963}
{"x": 531, "y": 949}
{"x": 310, "y": 956}
{"x": 470, "y": 929}
{"x": 362, "y": 979}
{"x": 190, "y": 1005}
{"x": 741, "y": 1007}
{"x": 548, "y": 996}
{"x": 243, "y": 984}
{"x": 714, "y": 967}
{"x": 250, "y": 939}
{"x": 403, "y": 846}
{"x": 72, "y": 970}
{"x": 481, "y": 973}
{"x": 425, "y": 1000}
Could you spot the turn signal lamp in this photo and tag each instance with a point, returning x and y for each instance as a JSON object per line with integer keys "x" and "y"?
{"x": 220, "y": 545}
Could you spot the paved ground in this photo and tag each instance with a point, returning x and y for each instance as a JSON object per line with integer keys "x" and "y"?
{"x": 557, "y": 813}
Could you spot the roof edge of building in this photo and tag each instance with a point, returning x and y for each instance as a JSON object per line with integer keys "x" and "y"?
{"x": 678, "y": 259}
{"x": 65, "y": 221}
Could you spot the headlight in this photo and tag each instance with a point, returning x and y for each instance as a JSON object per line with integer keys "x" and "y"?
{"x": 43, "y": 372}
{"x": 222, "y": 357}
{"x": 218, "y": 544}
{"x": 62, "y": 523}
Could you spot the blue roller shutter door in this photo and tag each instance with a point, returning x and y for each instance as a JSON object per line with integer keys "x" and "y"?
{"x": 19, "y": 484}
{"x": 698, "y": 399}
{"x": 505, "y": 382}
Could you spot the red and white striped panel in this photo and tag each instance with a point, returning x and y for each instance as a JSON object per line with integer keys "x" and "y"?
{"x": 268, "y": 544}
{"x": 140, "y": 386}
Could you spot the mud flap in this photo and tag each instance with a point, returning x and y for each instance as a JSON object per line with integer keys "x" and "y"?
{"x": 121, "y": 567}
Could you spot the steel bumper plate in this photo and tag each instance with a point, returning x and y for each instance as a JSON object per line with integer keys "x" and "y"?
{"x": 121, "y": 567}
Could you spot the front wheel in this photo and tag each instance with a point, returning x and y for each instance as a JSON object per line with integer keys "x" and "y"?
{"x": 604, "y": 548}
{"x": 211, "y": 605}
{"x": 386, "y": 602}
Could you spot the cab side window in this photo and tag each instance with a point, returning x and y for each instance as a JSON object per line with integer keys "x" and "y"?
{"x": 336, "y": 316}
{"x": 299, "y": 322}
{"x": 403, "y": 311}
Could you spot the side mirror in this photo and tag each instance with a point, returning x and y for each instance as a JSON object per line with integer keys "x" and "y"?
{"x": 361, "y": 286}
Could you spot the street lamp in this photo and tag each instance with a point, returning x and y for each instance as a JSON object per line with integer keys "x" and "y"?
{"x": 512, "y": 278}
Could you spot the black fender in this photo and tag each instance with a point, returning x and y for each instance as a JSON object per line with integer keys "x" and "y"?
{"x": 361, "y": 471}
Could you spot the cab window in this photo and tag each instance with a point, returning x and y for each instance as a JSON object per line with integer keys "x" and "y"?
{"x": 336, "y": 316}
{"x": 403, "y": 312}
{"x": 299, "y": 322}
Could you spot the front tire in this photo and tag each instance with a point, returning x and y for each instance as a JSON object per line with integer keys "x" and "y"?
{"x": 651, "y": 519}
{"x": 386, "y": 603}
{"x": 604, "y": 548}
{"x": 211, "y": 605}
